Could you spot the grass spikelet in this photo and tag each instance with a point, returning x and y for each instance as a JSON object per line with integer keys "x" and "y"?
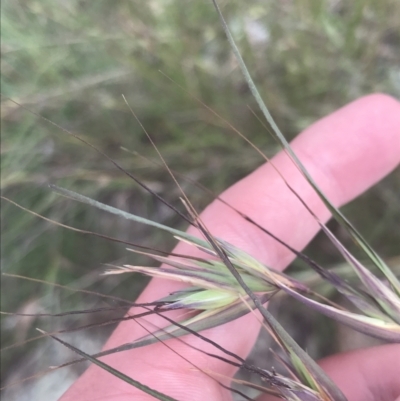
{"x": 225, "y": 282}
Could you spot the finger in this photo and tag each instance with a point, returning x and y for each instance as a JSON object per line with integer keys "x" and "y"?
{"x": 346, "y": 153}
{"x": 365, "y": 375}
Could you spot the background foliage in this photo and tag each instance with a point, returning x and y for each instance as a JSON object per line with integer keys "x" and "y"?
{"x": 71, "y": 60}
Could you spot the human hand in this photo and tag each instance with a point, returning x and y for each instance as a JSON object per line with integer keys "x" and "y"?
{"x": 346, "y": 153}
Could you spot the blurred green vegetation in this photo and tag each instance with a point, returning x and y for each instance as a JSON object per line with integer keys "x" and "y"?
{"x": 71, "y": 61}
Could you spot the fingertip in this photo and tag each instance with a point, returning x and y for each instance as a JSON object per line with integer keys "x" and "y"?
{"x": 380, "y": 100}
{"x": 366, "y": 137}
{"x": 383, "y": 112}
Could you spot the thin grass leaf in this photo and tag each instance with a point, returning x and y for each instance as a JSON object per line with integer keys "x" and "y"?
{"x": 95, "y": 233}
{"x": 65, "y": 287}
{"x": 374, "y": 327}
{"x": 128, "y": 216}
{"x": 156, "y": 394}
{"x": 344, "y": 271}
{"x": 360, "y": 298}
{"x": 182, "y": 262}
{"x": 373, "y": 256}
{"x": 384, "y": 296}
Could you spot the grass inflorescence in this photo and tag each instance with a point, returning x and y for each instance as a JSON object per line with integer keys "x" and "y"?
{"x": 222, "y": 288}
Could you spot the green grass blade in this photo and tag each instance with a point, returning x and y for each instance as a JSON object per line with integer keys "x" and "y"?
{"x": 375, "y": 258}
{"x": 366, "y": 301}
{"x": 374, "y": 327}
{"x": 388, "y": 300}
{"x": 128, "y": 216}
{"x": 156, "y": 394}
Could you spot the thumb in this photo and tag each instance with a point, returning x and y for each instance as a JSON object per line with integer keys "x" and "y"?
{"x": 367, "y": 375}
